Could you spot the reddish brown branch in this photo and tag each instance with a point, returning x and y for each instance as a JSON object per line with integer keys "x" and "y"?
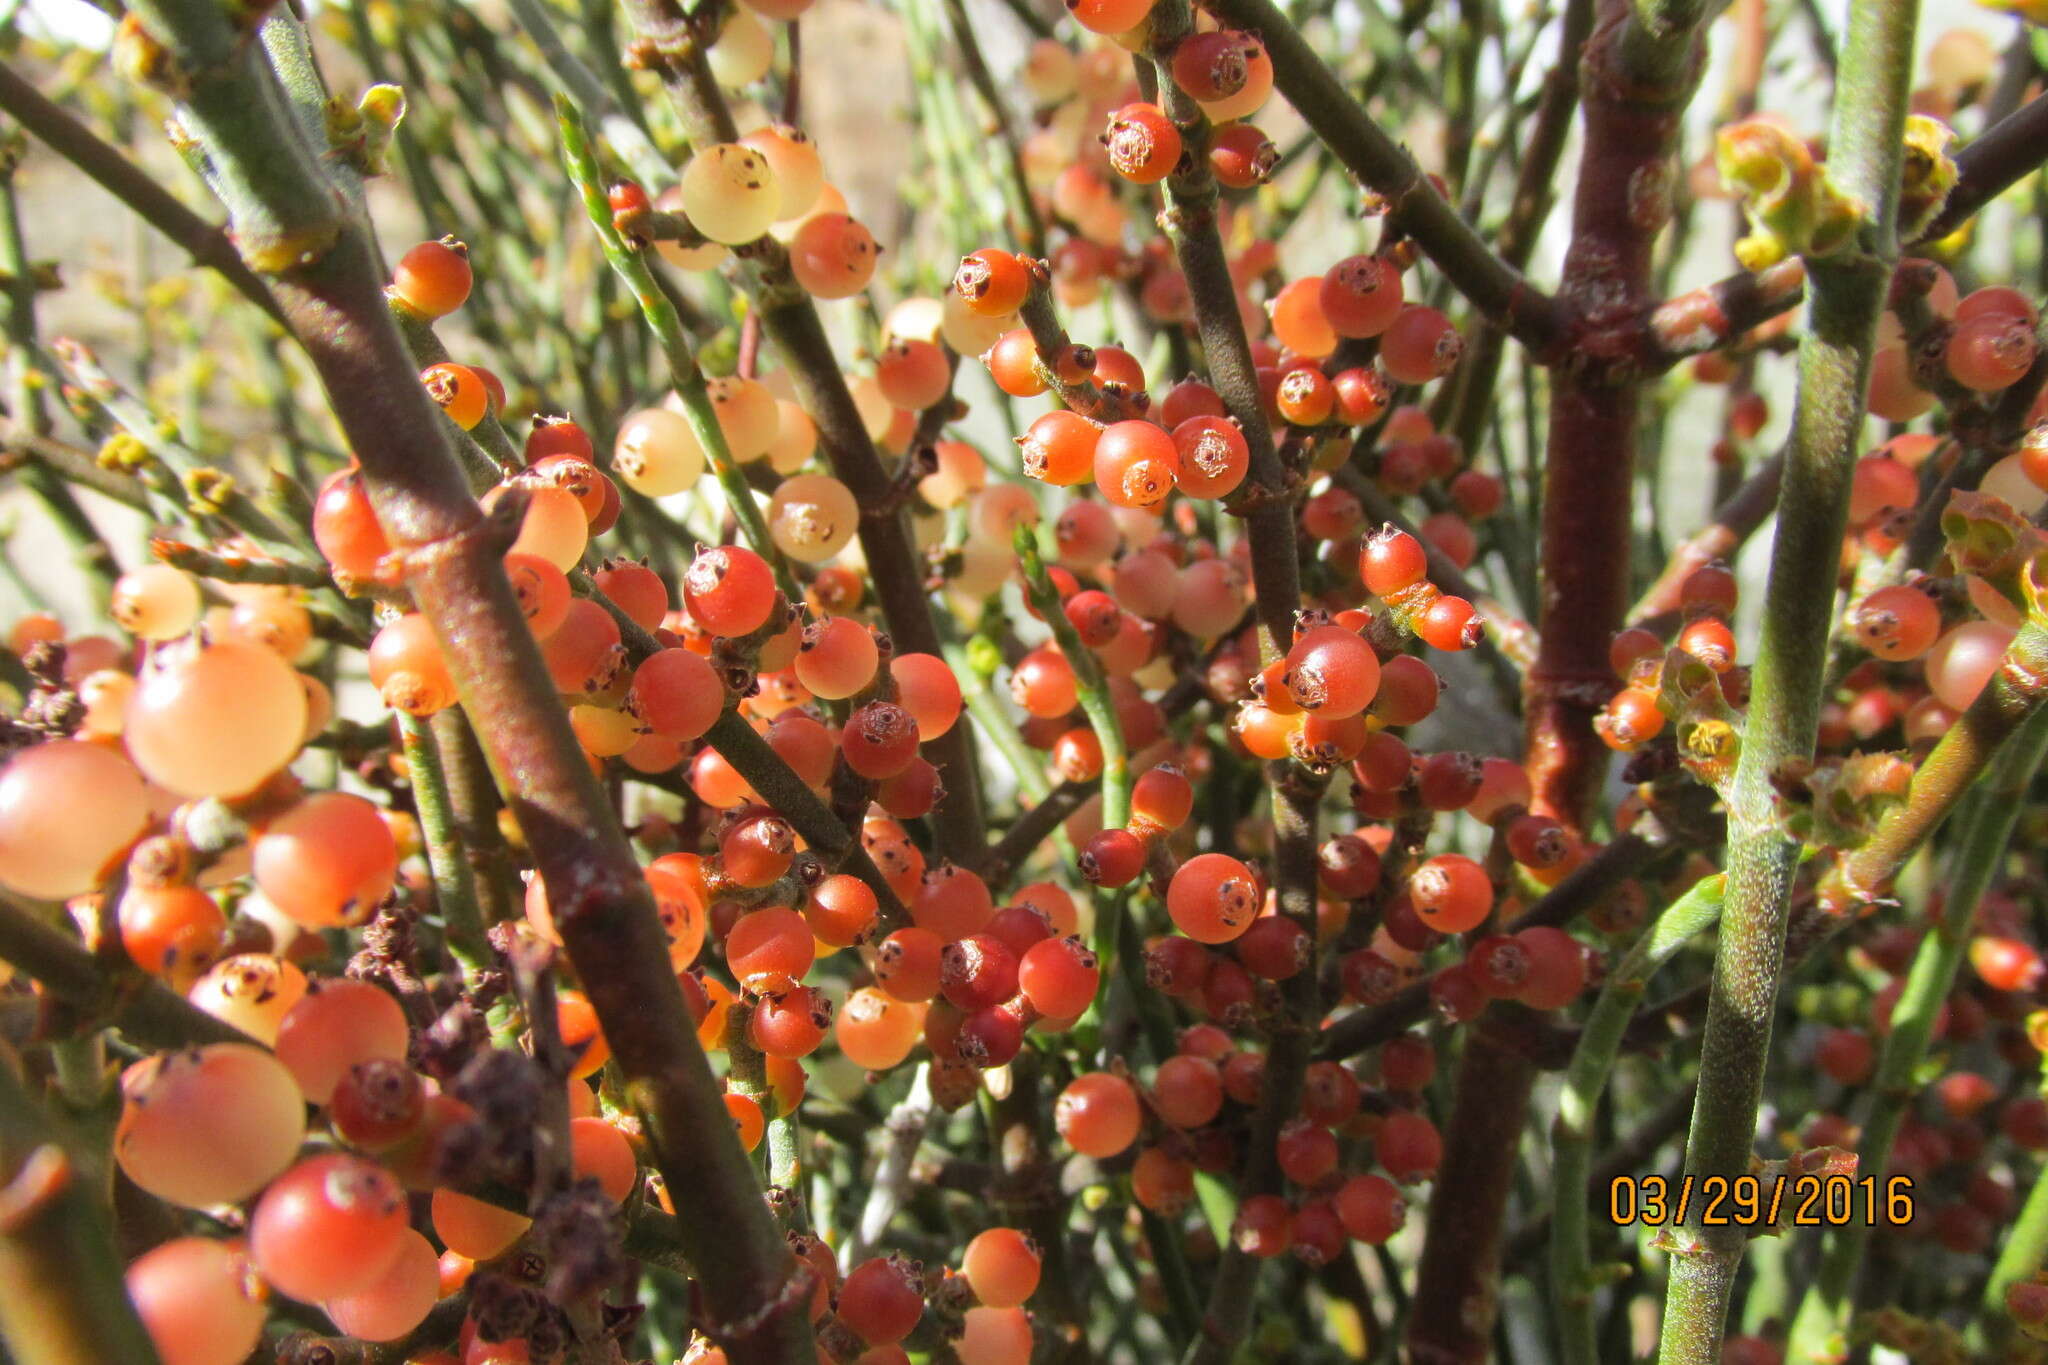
{"x": 1640, "y": 67}
{"x": 288, "y": 220}
{"x": 1716, "y": 315}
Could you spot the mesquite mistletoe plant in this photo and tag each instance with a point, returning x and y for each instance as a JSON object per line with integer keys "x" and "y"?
{"x": 1103, "y": 756}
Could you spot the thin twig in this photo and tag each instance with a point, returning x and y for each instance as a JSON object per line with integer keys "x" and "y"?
{"x": 206, "y": 244}
{"x": 1414, "y": 208}
{"x": 1571, "y": 1135}
{"x": 672, "y": 44}
{"x": 1820, "y": 1329}
{"x": 144, "y": 1009}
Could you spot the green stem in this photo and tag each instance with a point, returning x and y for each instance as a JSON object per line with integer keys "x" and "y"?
{"x": 69, "y": 463}
{"x": 2004, "y": 707}
{"x": 223, "y": 569}
{"x": 628, "y": 138}
{"x": 25, "y": 384}
{"x": 1016, "y": 188}
{"x": 62, "y": 1301}
{"x": 151, "y": 1013}
{"x": 1170, "y": 1257}
{"x": 454, "y": 882}
{"x": 1090, "y": 684}
{"x": 474, "y": 803}
{"x": 684, "y": 373}
{"x": 138, "y": 189}
{"x": 204, "y": 489}
{"x": 749, "y": 1076}
{"x": 1820, "y": 1331}
{"x": 1834, "y": 367}
{"x": 2026, "y": 1247}
{"x": 1587, "y": 1079}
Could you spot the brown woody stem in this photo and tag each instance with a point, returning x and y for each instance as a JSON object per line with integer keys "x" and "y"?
{"x": 1639, "y": 70}
{"x": 289, "y": 222}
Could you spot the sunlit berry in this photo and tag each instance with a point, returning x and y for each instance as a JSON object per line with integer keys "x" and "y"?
{"x": 1213, "y": 897}
{"x": 729, "y": 590}
{"x": 1098, "y": 1114}
{"x": 1143, "y": 143}
{"x": 833, "y": 256}
{"x": 68, "y": 808}
{"x": 199, "y": 1300}
{"x": 1241, "y": 156}
{"x": 728, "y": 192}
{"x": 1451, "y": 893}
{"x": 992, "y": 283}
{"x": 208, "y": 1125}
{"x": 1332, "y": 671}
{"x": 1002, "y": 1266}
{"x": 215, "y": 719}
{"x": 1361, "y": 296}
{"x": 433, "y": 278}
{"x": 1061, "y": 447}
{"x": 458, "y": 391}
{"x": 657, "y": 453}
{"x": 329, "y": 1227}
{"x": 1059, "y": 976}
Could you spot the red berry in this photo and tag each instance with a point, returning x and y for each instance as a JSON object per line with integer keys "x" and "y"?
{"x": 1361, "y": 296}
{"x": 1420, "y": 345}
{"x": 881, "y": 1300}
{"x": 1059, "y": 977}
{"x": 1408, "y": 1147}
{"x": 433, "y": 278}
{"x": 1451, "y": 893}
{"x": 1306, "y": 1150}
{"x": 1241, "y": 156}
{"x": 977, "y": 971}
{"x": 1098, "y": 1114}
{"x": 1390, "y": 561}
{"x": 992, "y": 283}
{"x": 1372, "y": 1208}
{"x": 1332, "y": 672}
{"x": 1213, "y": 897}
{"x": 1143, "y": 143}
